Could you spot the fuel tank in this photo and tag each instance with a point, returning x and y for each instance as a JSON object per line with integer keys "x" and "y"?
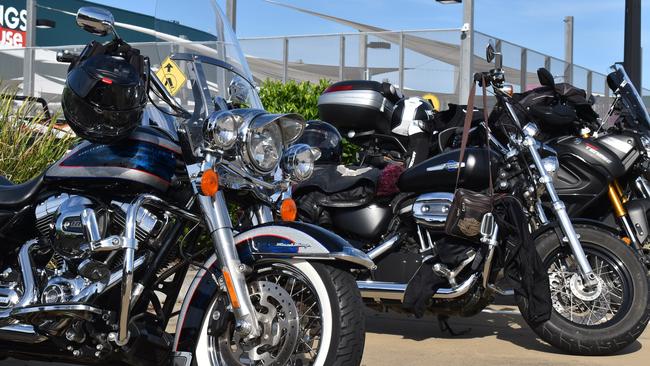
{"x": 145, "y": 161}
{"x": 439, "y": 172}
{"x": 587, "y": 166}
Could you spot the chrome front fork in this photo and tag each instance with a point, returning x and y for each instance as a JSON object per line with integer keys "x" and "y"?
{"x": 589, "y": 278}
{"x": 215, "y": 213}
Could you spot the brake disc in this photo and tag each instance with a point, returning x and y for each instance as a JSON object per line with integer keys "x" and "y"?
{"x": 279, "y": 320}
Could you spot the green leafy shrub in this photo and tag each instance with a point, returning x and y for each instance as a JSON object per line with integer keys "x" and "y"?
{"x": 28, "y": 141}
{"x": 301, "y": 98}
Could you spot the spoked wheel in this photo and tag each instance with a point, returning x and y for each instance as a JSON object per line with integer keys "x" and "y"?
{"x": 310, "y": 314}
{"x": 594, "y": 320}
{"x": 589, "y": 306}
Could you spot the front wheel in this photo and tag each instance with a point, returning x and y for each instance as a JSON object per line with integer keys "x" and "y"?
{"x": 310, "y": 313}
{"x": 596, "y": 321}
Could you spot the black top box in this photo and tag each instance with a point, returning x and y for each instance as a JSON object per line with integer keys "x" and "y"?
{"x": 359, "y": 105}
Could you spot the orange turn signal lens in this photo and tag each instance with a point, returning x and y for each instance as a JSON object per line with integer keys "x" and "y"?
{"x": 508, "y": 89}
{"x": 209, "y": 182}
{"x": 234, "y": 300}
{"x": 288, "y": 210}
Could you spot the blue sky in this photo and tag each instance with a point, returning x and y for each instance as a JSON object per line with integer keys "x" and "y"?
{"x": 599, "y": 24}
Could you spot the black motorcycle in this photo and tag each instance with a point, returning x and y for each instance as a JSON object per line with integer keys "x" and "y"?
{"x": 602, "y": 163}
{"x": 96, "y": 249}
{"x": 598, "y": 287}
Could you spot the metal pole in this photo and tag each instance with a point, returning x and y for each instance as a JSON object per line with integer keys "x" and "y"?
{"x": 285, "y": 60}
{"x": 231, "y": 13}
{"x": 30, "y": 42}
{"x": 401, "y": 61}
{"x": 547, "y": 63}
{"x": 632, "y": 48}
{"x": 466, "y": 68}
{"x": 568, "y": 48}
{"x": 590, "y": 76}
{"x": 341, "y": 58}
{"x": 524, "y": 70}
{"x": 363, "y": 55}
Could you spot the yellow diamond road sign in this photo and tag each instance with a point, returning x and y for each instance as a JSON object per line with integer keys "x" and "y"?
{"x": 171, "y": 76}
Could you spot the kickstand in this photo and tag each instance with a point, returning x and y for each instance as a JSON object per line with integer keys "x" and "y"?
{"x": 445, "y": 327}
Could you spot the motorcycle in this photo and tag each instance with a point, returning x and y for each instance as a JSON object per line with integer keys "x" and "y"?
{"x": 602, "y": 165}
{"x": 96, "y": 249}
{"x": 599, "y": 290}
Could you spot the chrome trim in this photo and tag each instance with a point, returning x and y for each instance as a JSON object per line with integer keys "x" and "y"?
{"x": 349, "y": 254}
{"x": 384, "y": 247}
{"x": 451, "y": 275}
{"x": 30, "y": 295}
{"x": 73, "y": 308}
{"x": 130, "y": 245}
{"x": 217, "y": 218}
{"x": 96, "y": 288}
{"x": 395, "y": 291}
{"x": 560, "y": 209}
{"x": 439, "y": 201}
{"x": 450, "y": 165}
{"x": 642, "y": 186}
{"x": 89, "y": 223}
{"x": 357, "y": 98}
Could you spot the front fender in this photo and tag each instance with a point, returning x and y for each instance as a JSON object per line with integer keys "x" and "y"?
{"x": 287, "y": 240}
{"x": 297, "y": 240}
{"x": 576, "y": 221}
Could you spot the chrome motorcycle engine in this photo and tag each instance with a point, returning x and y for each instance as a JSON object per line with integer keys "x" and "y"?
{"x": 70, "y": 223}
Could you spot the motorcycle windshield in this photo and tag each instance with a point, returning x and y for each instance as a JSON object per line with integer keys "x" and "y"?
{"x": 619, "y": 80}
{"x": 197, "y": 57}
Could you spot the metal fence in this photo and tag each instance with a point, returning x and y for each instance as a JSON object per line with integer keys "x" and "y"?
{"x": 421, "y": 61}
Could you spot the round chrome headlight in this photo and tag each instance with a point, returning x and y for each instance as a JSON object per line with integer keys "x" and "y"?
{"x": 220, "y": 130}
{"x": 298, "y": 161}
{"x": 264, "y": 147}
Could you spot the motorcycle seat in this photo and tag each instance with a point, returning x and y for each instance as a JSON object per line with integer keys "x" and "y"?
{"x": 18, "y": 195}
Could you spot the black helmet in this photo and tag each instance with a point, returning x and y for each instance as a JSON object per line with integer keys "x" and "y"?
{"x": 326, "y": 138}
{"x": 104, "y": 97}
{"x": 410, "y": 113}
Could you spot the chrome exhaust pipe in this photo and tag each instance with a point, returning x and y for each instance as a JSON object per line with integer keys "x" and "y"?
{"x": 20, "y": 333}
{"x": 29, "y": 289}
{"x": 384, "y": 247}
{"x": 395, "y": 291}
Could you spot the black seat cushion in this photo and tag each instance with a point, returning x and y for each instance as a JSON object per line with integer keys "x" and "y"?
{"x": 19, "y": 195}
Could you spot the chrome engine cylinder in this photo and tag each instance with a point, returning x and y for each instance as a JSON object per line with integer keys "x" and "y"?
{"x": 431, "y": 209}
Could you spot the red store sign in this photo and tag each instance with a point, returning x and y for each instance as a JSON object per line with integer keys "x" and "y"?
{"x": 13, "y": 26}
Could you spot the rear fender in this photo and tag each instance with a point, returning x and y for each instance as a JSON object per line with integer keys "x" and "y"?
{"x": 289, "y": 240}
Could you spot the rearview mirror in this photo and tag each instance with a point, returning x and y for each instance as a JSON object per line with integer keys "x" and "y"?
{"x": 97, "y": 21}
{"x": 490, "y": 52}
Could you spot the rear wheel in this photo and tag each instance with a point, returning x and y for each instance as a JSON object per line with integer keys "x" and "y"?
{"x": 311, "y": 314}
{"x": 595, "y": 321}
